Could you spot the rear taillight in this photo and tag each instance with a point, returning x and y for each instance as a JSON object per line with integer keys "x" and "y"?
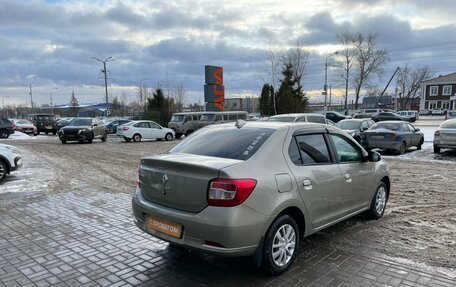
{"x": 229, "y": 192}
{"x": 394, "y": 137}
{"x": 138, "y": 182}
{"x": 125, "y": 128}
{"x": 437, "y": 133}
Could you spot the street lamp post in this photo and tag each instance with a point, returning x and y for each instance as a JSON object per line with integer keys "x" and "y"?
{"x": 50, "y": 94}
{"x": 326, "y": 80}
{"x": 105, "y": 72}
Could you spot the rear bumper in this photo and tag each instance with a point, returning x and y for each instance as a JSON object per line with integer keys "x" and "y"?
{"x": 238, "y": 229}
{"x": 381, "y": 144}
{"x": 445, "y": 144}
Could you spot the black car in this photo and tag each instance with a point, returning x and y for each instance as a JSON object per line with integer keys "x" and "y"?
{"x": 335, "y": 116}
{"x": 387, "y": 116}
{"x": 83, "y": 129}
{"x": 112, "y": 126}
{"x": 6, "y": 128}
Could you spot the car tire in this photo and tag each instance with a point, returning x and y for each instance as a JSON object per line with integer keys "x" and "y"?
{"x": 3, "y": 170}
{"x": 105, "y": 136}
{"x": 169, "y": 137}
{"x": 280, "y": 251}
{"x": 127, "y": 139}
{"x": 54, "y": 132}
{"x": 379, "y": 201}
{"x": 137, "y": 137}
{"x": 90, "y": 138}
{"x": 402, "y": 148}
{"x": 63, "y": 141}
{"x": 419, "y": 146}
{"x": 4, "y": 134}
{"x": 178, "y": 135}
{"x": 436, "y": 149}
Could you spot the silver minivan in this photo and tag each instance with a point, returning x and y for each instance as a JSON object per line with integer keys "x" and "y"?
{"x": 302, "y": 117}
{"x": 184, "y": 123}
{"x": 209, "y": 118}
{"x": 257, "y": 188}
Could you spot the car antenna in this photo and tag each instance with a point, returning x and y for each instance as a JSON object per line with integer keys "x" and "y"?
{"x": 240, "y": 123}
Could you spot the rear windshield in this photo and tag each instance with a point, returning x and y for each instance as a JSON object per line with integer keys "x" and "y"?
{"x": 282, "y": 119}
{"x": 177, "y": 118}
{"x": 387, "y": 126}
{"x": 4, "y": 120}
{"x": 449, "y": 125}
{"x": 316, "y": 119}
{"x": 452, "y": 113}
{"x": 225, "y": 142}
{"x": 348, "y": 125}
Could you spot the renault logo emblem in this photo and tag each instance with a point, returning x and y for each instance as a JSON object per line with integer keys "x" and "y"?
{"x": 165, "y": 179}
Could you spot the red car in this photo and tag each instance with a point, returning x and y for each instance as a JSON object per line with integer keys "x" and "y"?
{"x": 25, "y": 127}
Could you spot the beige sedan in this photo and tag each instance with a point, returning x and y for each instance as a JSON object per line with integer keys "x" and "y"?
{"x": 257, "y": 188}
{"x": 445, "y": 136}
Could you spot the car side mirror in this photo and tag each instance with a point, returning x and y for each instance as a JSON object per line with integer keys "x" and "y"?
{"x": 417, "y": 129}
{"x": 373, "y": 156}
{"x": 363, "y": 129}
{"x": 94, "y": 125}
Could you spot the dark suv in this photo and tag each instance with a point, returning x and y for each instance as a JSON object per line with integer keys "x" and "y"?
{"x": 44, "y": 123}
{"x": 6, "y": 128}
{"x": 83, "y": 129}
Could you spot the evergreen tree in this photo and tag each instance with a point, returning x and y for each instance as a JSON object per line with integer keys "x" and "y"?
{"x": 74, "y": 105}
{"x": 265, "y": 102}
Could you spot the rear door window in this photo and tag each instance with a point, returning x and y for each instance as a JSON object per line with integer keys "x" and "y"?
{"x": 218, "y": 118}
{"x": 232, "y": 143}
{"x": 312, "y": 149}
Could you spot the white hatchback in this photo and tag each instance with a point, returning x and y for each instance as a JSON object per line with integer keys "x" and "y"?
{"x": 138, "y": 130}
{"x": 10, "y": 160}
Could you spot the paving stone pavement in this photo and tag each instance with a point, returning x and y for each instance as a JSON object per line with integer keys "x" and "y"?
{"x": 88, "y": 238}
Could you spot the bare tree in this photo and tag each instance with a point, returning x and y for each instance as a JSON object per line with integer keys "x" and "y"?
{"x": 369, "y": 61}
{"x": 272, "y": 63}
{"x": 344, "y": 62}
{"x": 297, "y": 57}
{"x": 408, "y": 83}
{"x": 179, "y": 95}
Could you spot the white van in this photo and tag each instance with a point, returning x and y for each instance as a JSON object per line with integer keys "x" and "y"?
{"x": 305, "y": 117}
{"x": 208, "y": 118}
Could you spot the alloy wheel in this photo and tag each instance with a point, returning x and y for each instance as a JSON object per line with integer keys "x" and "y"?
{"x": 380, "y": 200}
{"x": 283, "y": 245}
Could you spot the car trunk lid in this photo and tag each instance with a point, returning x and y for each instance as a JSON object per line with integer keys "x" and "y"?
{"x": 180, "y": 180}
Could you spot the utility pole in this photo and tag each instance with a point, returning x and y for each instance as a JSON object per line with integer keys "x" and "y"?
{"x": 50, "y": 94}
{"x": 105, "y": 72}
{"x": 31, "y": 95}
{"x": 325, "y": 92}
{"x": 329, "y": 96}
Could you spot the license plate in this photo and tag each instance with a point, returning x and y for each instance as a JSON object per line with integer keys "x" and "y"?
{"x": 377, "y": 137}
{"x": 49, "y": 127}
{"x": 164, "y": 226}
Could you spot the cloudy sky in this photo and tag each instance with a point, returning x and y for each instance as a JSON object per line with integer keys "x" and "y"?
{"x": 49, "y": 44}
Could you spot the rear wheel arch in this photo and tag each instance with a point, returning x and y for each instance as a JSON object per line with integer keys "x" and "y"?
{"x": 297, "y": 215}
{"x": 7, "y": 164}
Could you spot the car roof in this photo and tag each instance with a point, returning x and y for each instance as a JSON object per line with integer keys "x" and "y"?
{"x": 354, "y": 120}
{"x": 393, "y": 122}
{"x": 298, "y": 115}
{"x": 273, "y": 125}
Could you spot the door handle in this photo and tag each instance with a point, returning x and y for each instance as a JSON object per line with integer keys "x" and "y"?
{"x": 307, "y": 184}
{"x": 348, "y": 178}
